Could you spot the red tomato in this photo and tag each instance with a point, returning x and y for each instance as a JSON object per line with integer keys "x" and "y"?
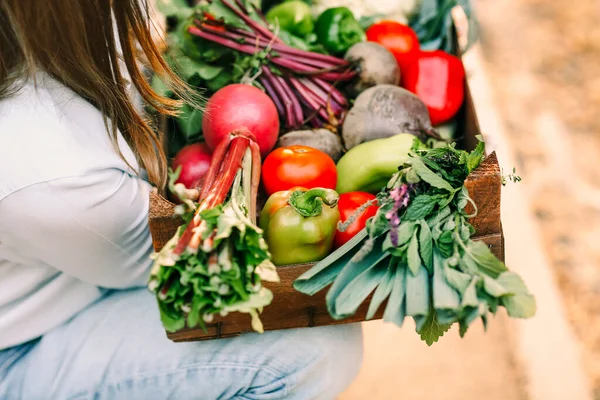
{"x": 304, "y": 166}
{"x": 348, "y": 204}
{"x": 398, "y": 38}
{"x": 438, "y": 79}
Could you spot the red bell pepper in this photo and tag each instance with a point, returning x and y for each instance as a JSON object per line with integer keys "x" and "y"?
{"x": 349, "y": 205}
{"x": 398, "y": 38}
{"x": 437, "y": 78}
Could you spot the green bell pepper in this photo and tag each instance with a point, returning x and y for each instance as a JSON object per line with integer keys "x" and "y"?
{"x": 369, "y": 166}
{"x": 292, "y": 16}
{"x": 337, "y": 30}
{"x": 299, "y": 224}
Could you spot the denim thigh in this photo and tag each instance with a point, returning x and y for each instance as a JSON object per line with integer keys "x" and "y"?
{"x": 117, "y": 349}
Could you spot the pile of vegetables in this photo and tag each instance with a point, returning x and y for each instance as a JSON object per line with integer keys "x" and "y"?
{"x": 346, "y": 117}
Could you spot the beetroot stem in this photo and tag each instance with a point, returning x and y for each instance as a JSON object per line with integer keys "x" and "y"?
{"x": 273, "y": 94}
{"x": 283, "y": 95}
{"x": 260, "y": 30}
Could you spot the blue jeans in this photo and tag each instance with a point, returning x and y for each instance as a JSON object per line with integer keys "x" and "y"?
{"x": 117, "y": 349}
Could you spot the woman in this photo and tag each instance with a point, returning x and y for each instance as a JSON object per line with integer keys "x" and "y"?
{"x": 76, "y": 321}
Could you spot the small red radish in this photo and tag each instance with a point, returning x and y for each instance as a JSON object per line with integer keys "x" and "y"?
{"x": 241, "y": 106}
{"x": 195, "y": 161}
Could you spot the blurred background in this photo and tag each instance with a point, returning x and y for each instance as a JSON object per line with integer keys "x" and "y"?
{"x": 535, "y": 76}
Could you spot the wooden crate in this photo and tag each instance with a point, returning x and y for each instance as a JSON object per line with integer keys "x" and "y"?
{"x": 292, "y": 309}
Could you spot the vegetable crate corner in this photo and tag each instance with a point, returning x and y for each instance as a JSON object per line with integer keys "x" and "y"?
{"x": 341, "y": 177}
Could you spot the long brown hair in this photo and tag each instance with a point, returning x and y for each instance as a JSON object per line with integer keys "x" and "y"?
{"x": 74, "y": 41}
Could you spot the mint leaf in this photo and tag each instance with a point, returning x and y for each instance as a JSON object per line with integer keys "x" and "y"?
{"x": 432, "y": 330}
{"x": 429, "y": 176}
{"x": 405, "y": 232}
{"x": 519, "y": 303}
{"x": 486, "y": 260}
{"x": 458, "y": 280}
{"x": 493, "y": 288}
{"x": 419, "y": 208}
{"x": 476, "y": 156}
{"x": 470, "y": 295}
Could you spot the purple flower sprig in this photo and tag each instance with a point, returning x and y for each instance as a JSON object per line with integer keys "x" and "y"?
{"x": 401, "y": 197}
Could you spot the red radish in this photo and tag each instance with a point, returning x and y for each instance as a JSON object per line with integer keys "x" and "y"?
{"x": 194, "y": 161}
{"x": 241, "y": 106}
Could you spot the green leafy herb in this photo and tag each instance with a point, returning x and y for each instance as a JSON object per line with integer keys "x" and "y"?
{"x": 437, "y": 274}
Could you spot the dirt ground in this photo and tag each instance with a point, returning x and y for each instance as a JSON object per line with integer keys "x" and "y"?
{"x": 543, "y": 58}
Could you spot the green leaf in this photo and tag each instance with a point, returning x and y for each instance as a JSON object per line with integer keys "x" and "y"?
{"x": 395, "y": 308}
{"x": 429, "y": 176}
{"x": 432, "y": 330}
{"x": 367, "y": 20}
{"x": 355, "y": 292}
{"x": 485, "y": 259}
{"x": 382, "y": 292}
{"x": 406, "y": 231}
{"x": 325, "y": 271}
{"x": 414, "y": 261}
{"x": 440, "y": 217}
{"x": 194, "y": 315}
{"x": 519, "y": 303}
{"x": 171, "y": 321}
{"x": 420, "y": 207}
{"x": 190, "y": 120}
{"x": 177, "y": 8}
{"x": 256, "y": 301}
{"x": 417, "y": 293}
{"x": 444, "y": 296}
{"x": 426, "y": 245}
{"x": 186, "y": 68}
{"x": 458, "y": 280}
{"x": 351, "y": 271}
{"x": 513, "y": 283}
{"x": 470, "y": 295}
{"x": 470, "y": 315}
{"x": 493, "y": 288}
{"x": 476, "y": 156}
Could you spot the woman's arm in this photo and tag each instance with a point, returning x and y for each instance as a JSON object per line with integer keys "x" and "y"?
{"x": 93, "y": 227}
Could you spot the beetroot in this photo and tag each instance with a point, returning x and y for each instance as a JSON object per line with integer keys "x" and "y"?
{"x": 194, "y": 161}
{"x": 240, "y": 106}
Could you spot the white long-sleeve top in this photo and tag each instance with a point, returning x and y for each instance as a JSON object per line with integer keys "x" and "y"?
{"x": 73, "y": 215}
